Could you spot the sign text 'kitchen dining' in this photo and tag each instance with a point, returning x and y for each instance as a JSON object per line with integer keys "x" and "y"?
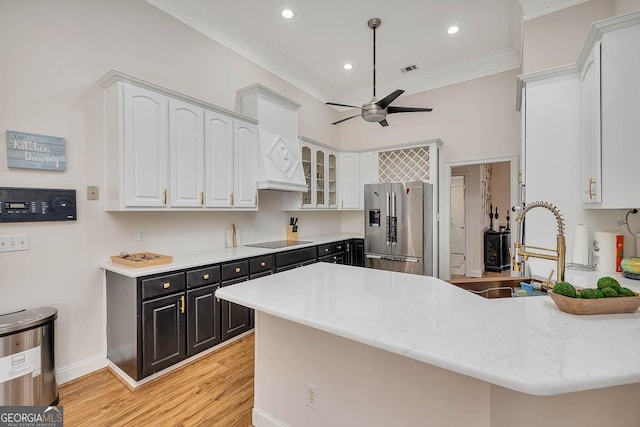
{"x": 31, "y": 151}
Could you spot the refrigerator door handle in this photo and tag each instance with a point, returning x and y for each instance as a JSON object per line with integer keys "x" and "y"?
{"x": 407, "y": 259}
{"x": 394, "y": 221}
{"x": 373, "y": 256}
{"x": 388, "y": 220}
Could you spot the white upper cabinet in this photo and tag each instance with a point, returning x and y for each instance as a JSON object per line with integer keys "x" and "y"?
{"x": 245, "y": 145}
{"x": 590, "y": 141}
{"x": 218, "y": 149}
{"x": 167, "y": 150}
{"x": 145, "y": 148}
{"x": 322, "y": 178}
{"x": 350, "y": 181}
{"x": 186, "y": 151}
{"x": 620, "y": 92}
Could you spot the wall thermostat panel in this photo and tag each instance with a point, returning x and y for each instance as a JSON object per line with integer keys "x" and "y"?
{"x": 37, "y": 204}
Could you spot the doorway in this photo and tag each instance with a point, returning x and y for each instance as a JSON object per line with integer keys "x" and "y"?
{"x": 488, "y": 184}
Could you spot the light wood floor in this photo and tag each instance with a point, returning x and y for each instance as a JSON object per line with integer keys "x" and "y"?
{"x": 216, "y": 390}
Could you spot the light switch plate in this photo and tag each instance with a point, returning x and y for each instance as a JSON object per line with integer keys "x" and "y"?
{"x": 13, "y": 243}
{"x": 93, "y": 192}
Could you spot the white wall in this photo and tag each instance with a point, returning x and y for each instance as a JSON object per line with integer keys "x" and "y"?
{"x": 52, "y": 55}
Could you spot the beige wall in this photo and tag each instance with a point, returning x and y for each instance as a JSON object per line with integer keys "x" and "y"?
{"x": 557, "y": 39}
{"x": 52, "y": 55}
{"x": 475, "y": 120}
{"x": 501, "y": 191}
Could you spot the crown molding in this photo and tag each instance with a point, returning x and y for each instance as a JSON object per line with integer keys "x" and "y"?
{"x": 536, "y": 8}
{"x": 189, "y": 13}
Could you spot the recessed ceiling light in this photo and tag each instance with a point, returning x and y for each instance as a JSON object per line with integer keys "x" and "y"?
{"x": 287, "y": 13}
{"x": 453, "y": 29}
{"x": 348, "y": 66}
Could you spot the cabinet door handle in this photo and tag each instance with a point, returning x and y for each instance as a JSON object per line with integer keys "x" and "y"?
{"x": 231, "y": 198}
{"x": 591, "y": 193}
{"x": 339, "y": 247}
{"x": 202, "y": 198}
{"x": 217, "y": 297}
{"x": 237, "y": 269}
{"x": 341, "y": 204}
{"x": 182, "y": 304}
{"x": 262, "y": 264}
{"x": 326, "y": 249}
{"x": 255, "y": 199}
{"x": 166, "y": 285}
{"x": 164, "y": 196}
{"x": 205, "y": 277}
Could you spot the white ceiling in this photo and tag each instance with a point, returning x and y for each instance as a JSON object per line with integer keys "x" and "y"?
{"x": 310, "y": 49}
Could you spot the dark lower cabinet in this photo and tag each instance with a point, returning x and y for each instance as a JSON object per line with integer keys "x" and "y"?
{"x": 163, "y": 333}
{"x": 204, "y": 328}
{"x": 354, "y": 252}
{"x": 158, "y": 320}
{"x": 334, "y": 259}
{"x": 236, "y": 318}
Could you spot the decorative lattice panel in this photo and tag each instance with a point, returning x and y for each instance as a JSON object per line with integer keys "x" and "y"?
{"x": 408, "y": 164}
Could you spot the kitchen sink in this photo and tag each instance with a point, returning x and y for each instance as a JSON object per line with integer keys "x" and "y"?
{"x": 496, "y": 287}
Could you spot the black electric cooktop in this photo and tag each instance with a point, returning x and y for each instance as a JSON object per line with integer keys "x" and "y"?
{"x": 276, "y": 244}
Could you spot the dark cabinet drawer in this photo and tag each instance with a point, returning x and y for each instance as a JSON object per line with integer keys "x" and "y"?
{"x": 330, "y": 248}
{"x": 233, "y": 270}
{"x": 334, "y": 259}
{"x": 262, "y": 274}
{"x": 292, "y": 266}
{"x": 162, "y": 285}
{"x": 203, "y": 276}
{"x": 260, "y": 264}
{"x": 296, "y": 256}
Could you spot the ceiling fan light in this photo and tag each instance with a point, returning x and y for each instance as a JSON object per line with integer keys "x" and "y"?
{"x": 453, "y": 29}
{"x": 347, "y": 66}
{"x": 373, "y": 117}
{"x": 287, "y": 13}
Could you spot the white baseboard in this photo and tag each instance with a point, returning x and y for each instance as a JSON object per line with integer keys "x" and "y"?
{"x": 475, "y": 273}
{"x": 133, "y": 383}
{"x": 260, "y": 418}
{"x": 80, "y": 369}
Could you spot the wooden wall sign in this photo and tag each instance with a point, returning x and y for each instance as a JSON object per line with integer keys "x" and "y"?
{"x": 31, "y": 151}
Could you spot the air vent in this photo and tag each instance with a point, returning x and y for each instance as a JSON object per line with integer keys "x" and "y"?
{"x": 408, "y": 68}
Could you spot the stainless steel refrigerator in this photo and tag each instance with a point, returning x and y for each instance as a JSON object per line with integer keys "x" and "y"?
{"x": 399, "y": 227}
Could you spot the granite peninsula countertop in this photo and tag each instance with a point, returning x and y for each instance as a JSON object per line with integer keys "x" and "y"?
{"x": 524, "y": 344}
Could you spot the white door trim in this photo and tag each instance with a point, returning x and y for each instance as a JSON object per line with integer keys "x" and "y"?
{"x": 445, "y": 214}
{"x": 465, "y": 177}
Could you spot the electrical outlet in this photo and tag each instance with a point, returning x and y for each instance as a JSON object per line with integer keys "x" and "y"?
{"x": 16, "y": 242}
{"x": 312, "y": 396}
{"x": 93, "y": 192}
{"x": 141, "y": 234}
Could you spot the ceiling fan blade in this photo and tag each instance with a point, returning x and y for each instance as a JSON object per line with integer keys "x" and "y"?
{"x": 383, "y": 123}
{"x": 341, "y": 105}
{"x": 340, "y": 121}
{"x": 384, "y": 102}
{"x": 392, "y": 110}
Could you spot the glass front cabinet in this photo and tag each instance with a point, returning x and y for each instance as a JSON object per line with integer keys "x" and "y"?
{"x": 320, "y": 166}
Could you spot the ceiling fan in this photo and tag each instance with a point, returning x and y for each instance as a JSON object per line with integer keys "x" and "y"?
{"x": 374, "y": 110}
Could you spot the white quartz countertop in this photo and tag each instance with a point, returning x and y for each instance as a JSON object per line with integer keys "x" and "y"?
{"x": 524, "y": 344}
{"x": 218, "y": 255}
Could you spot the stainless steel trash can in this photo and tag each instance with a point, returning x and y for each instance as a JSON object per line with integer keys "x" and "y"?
{"x": 27, "y": 365}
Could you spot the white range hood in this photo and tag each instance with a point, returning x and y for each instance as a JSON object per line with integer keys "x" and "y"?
{"x": 279, "y": 164}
